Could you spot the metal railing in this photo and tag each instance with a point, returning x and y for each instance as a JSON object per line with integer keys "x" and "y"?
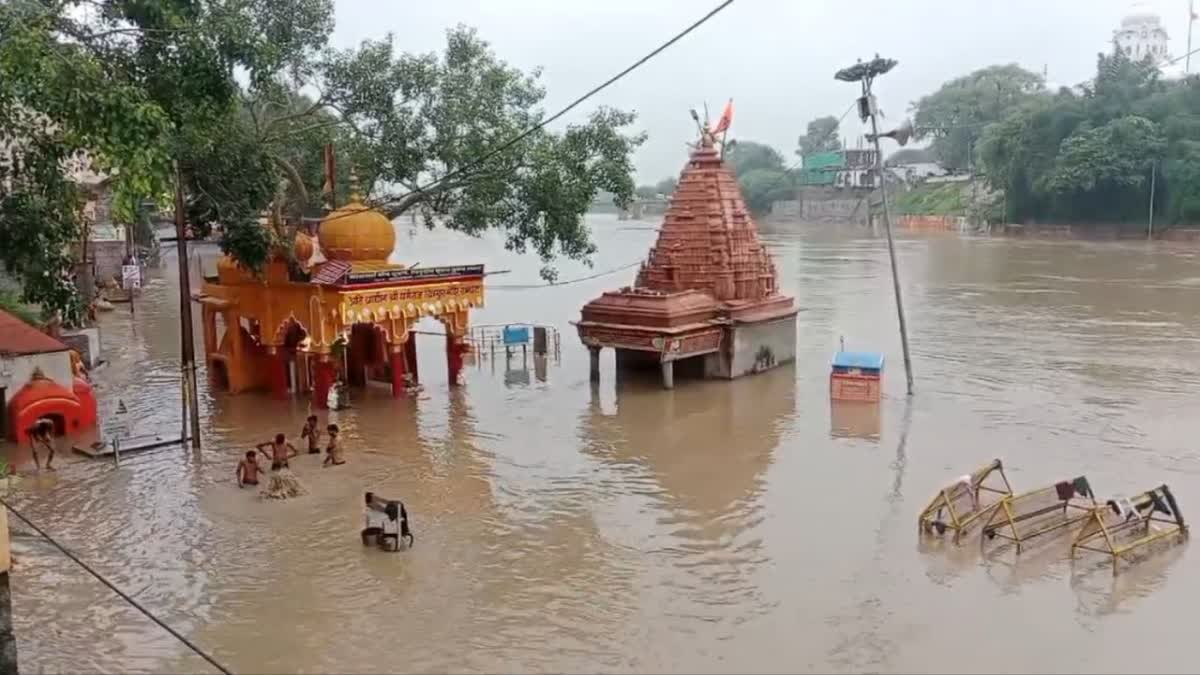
{"x": 505, "y": 339}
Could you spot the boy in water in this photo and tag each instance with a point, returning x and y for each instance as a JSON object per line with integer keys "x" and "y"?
{"x": 313, "y": 434}
{"x": 333, "y": 456}
{"x": 281, "y": 452}
{"x": 42, "y": 436}
{"x": 248, "y": 470}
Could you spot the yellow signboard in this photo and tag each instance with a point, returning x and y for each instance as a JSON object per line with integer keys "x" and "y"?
{"x": 410, "y": 301}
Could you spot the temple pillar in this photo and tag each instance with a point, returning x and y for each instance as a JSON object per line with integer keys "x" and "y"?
{"x": 277, "y": 376}
{"x": 454, "y": 358}
{"x": 398, "y": 357}
{"x": 594, "y": 363}
{"x": 323, "y": 376}
{"x": 410, "y": 356}
{"x": 668, "y": 374}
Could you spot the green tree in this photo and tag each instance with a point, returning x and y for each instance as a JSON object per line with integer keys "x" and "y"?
{"x": 821, "y": 136}
{"x": 1089, "y": 157}
{"x": 763, "y": 187}
{"x": 137, "y": 86}
{"x": 431, "y": 118}
{"x": 745, "y": 156}
{"x": 666, "y": 186}
{"x": 955, "y": 115}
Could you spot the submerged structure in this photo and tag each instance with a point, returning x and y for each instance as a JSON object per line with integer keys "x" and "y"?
{"x": 349, "y": 321}
{"x": 706, "y": 299}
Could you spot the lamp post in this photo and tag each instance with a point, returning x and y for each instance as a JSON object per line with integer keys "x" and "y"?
{"x": 865, "y": 74}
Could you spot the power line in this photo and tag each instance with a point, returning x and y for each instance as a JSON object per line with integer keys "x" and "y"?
{"x": 571, "y": 106}
{"x": 524, "y": 287}
{"x": 118, "y": 591}
{"x": 795, "y": 165}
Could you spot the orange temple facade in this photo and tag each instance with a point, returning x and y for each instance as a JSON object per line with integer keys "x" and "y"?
{"x": 706, "y": 298}
{"x": 352, "y": 321}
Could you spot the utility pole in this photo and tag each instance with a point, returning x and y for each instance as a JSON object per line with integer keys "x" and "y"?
{"x": 1153, "y": 175}
{"x": 191, "y": 405}
{"x": 865, "y": 73}
{"x": 1187, "y": 59}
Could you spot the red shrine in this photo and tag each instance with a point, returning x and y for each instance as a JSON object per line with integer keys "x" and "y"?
{"x": 706, "y": 297}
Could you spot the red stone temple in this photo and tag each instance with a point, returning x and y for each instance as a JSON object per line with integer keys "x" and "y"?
{"x": 706, "y": 297}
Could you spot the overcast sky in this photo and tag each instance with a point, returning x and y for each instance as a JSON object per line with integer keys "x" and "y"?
{"x": 775, "y": 58}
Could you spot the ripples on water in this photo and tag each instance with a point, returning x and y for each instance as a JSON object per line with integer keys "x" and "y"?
{"x": 719, "y": 527}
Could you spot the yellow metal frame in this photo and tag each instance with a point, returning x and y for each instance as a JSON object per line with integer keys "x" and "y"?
{"x": 1010, "y": 512}
{"x": 1097, "y": 529}
{"x": 944, "y": 501}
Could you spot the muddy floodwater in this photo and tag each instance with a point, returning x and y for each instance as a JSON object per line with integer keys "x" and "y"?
{"x": 741, "y": 527}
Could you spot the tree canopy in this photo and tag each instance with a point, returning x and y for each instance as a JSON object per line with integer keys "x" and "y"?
{"x": 241, "y": 95}
{"x": 955, "y": 115}
{"x": 821, "y": 136}
{"x": 1088, "y": 157}
{"x": 761, "y": 174}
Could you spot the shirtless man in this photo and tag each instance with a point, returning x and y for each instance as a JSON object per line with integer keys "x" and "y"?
{"x": 281, "y": 452}
{"x": 333, "y": 456}
{"x": 248, "y": 470}
{"x": 313, "y": 434}
{"x": 42, "y": 436}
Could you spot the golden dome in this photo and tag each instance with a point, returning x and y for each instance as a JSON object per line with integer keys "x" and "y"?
{"x": 355, "y": 232}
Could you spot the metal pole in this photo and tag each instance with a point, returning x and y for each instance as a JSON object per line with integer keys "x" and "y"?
{"x": 1153, "y": 175}
{"x": 1187, "y": 63}
{"x": 191, "y": 409}
{"x": 974, "y": 188}
{"x": 887, "y": 224}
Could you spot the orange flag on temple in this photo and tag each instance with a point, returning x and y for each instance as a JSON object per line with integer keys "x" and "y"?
{"x": 726, "y": 119}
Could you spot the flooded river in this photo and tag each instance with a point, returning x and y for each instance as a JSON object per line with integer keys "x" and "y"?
{"x": 741, "y": 526}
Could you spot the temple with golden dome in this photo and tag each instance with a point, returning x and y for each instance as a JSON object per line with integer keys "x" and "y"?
{"x": 706, "y": 298}
{"x": 350, "y": 320}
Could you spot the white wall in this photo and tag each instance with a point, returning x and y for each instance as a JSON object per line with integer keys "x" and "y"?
{"x": 19, "y": 369}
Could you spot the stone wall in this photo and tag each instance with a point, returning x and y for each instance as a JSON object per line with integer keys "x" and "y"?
{"x": 841, "y": 205}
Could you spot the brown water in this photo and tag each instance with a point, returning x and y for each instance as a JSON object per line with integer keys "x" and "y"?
{"x": 738, "y": 526}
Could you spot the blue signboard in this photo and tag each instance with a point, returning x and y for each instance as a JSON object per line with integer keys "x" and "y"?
{"x": 516, "y": 335}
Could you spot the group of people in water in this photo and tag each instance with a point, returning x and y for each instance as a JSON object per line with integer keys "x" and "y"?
{"x": 279, "y": 451}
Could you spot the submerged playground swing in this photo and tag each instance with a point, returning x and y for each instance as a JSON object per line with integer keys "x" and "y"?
{"x": 1021, "y": 517}
{"x": 1123, "y": 525}
{"x": 959, "y": 505}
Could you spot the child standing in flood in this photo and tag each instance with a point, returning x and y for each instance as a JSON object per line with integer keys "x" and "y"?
{"x": 248, "y": 470}
{"x": 333, "y": 450}
{"x": 281, "y": 452}
{"x": 312, "y": 432}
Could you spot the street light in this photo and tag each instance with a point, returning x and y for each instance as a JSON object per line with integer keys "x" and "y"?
{"x": 865, "y": 74}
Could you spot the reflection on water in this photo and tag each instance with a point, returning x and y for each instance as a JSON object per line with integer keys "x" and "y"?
{"x": 745, "y": 526}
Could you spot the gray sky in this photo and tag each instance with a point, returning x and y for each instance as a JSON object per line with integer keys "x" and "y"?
{"x": 775, "y": 58}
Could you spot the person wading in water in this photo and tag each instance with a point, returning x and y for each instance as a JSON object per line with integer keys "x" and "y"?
{"x": 281, "y": 452}
{"x": 333, "y": 451}
{"x": 313, "y": 433}
{"x": 42, "y": 435}
{"x": 248, "y": 470}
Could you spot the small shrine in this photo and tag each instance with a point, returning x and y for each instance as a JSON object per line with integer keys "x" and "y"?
{"x": 349, "y": 322}
{"x": 706, "y": 299}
